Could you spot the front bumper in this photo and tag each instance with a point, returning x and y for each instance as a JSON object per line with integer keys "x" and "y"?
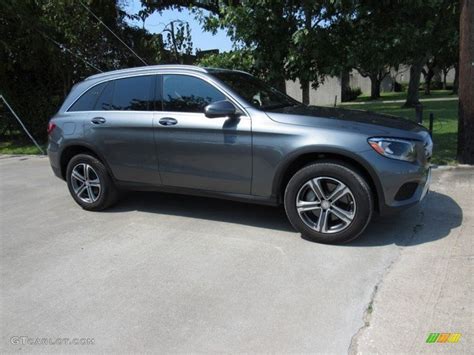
{"x": 400, "y": 184}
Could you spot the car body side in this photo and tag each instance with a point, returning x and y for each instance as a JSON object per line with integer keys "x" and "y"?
{"x": 276, "y": 146}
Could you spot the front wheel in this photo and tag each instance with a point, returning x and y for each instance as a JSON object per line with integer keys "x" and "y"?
{"x": 328, "y": 202}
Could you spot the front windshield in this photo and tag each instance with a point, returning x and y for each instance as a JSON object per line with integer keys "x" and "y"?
{"x": 256, "y": 92}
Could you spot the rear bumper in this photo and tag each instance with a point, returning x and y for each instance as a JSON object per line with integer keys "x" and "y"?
{"x": 54, "y": 159}
{"x": 400, "y": 184}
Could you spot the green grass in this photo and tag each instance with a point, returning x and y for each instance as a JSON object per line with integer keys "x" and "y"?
{"x": 435, "y": 94}
{"x": 19, "y": 148}
{"x": 445, "y": 125}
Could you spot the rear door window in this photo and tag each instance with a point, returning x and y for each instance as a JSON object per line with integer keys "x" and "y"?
{"x": 135, "y": 93}
{"x": 104, "y": 102}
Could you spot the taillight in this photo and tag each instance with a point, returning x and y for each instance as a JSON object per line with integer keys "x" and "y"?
{"x": 51, "y": 127}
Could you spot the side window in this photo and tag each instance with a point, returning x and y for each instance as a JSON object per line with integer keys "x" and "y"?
{"x": 104, "y": 102}
{"x": 88, "y": 100}
{"x": 185, "y": 93}
{"x": 133, "y": 93}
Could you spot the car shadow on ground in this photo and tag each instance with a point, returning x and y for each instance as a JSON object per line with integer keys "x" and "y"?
{"x": 405, "y": 228}
{"x": 430, "y": 220}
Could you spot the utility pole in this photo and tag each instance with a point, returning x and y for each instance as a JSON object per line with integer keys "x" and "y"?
{"x": 465, "y": 153}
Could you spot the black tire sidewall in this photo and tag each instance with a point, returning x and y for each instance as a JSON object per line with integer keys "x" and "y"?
{"x": 345, "y": 174}
{"x": 107, "y": 185}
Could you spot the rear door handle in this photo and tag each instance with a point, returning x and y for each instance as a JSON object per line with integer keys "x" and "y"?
{"x": 98, "y": 120}
{"x": 167, "y": 121}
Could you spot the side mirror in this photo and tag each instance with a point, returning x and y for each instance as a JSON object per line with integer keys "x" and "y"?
{"x": 220, "y": 109}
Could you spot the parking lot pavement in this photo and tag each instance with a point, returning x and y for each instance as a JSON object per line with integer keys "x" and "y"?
{"x": 169, "y": 273}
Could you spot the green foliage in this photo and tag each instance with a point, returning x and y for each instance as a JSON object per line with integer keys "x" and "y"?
{"x": 48, "y": 45}
{"x": 262, "y": 26}
{"x": 237, "y": 59}
{"x": 178, "y": 40}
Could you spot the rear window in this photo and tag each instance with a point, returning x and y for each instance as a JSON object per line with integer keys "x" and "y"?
{"x": 88, "y": 100}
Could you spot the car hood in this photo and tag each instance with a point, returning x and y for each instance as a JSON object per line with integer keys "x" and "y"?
{"x": 311, "y": 115}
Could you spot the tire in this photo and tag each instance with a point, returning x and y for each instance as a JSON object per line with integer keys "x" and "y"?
{"x": 346, "y": 213}
{"x": 96, "y": 183}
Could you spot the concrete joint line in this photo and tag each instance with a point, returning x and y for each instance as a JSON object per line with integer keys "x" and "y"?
{"x": 369, "y": 310}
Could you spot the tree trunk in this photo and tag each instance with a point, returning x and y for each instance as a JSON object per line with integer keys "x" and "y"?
{"x": 345, "y": 85}
{"x": 445, "y": 73}
{"x": 305, "y": 91}
{"x": 456, "y": 79}
{"x": 374, "y": 87}
{"x": 428, "y": 78}
{"x": 305, "y": 83}
{"x": 415, "y": 74}
{"x": 465, "y": 152}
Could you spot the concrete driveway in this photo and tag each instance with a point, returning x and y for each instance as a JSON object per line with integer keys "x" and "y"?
{"x": 170, "y": 273}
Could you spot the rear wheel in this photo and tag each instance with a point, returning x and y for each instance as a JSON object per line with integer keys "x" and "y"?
{"x": 90, "y": 184}
{"x": 328, "y": 202}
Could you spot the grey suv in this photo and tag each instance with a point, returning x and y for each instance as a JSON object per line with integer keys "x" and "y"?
{"x": 226, "y": 134}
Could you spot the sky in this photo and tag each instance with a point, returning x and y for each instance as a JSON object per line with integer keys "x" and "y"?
{"x": 201, "y": 40}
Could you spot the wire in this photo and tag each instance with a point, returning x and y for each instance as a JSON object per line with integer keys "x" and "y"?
{"x": 63, "y": 47}
{"x": 116, "y": 36}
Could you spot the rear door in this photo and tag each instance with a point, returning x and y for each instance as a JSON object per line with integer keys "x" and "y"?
{"x": 195, "y": 151}
{"x": 120, "y": 127}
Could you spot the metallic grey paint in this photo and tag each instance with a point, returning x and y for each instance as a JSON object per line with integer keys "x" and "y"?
{"x": 243, "y": 157}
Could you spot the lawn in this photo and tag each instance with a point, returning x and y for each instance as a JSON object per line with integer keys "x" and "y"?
{"x": 435, "y": 94}
{"x": 445, "y": 125}
{"x": 19, "y": 148}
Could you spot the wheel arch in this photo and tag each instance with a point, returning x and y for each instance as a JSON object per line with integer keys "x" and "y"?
{"x": 302, "y": 158}
{"x": 71, "y": 150}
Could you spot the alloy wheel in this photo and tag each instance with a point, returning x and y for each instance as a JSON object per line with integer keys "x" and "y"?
{"x": 326, "y": 205}
{"x": 86, "y": 183}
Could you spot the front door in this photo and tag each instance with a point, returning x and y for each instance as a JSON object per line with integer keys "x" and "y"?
{"x": 195, "y": 151}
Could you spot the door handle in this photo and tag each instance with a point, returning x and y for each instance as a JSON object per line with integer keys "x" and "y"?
{"x": 98, "y": 120}
{"x": 167, "y": 121}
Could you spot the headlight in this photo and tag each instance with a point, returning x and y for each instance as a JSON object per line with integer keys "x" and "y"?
{"x": 394, "y": 148}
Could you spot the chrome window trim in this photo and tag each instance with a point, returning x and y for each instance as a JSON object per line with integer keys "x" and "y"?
{"x": 198, "y": 75}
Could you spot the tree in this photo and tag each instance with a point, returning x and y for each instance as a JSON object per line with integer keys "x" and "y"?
{"x": 428, "y": 73}
{"x": 261, "y": 26}
{"x": 179, "y": 43}
{"x": 465, "y": 152}
{"x": 309, "y": 46}
{"x": 237, "y": 60}
{"x": 48, "y": 45}
{"x": 363, "y": 38}
{"x": 423, "y": 31}
{"x": 264, "y": 27}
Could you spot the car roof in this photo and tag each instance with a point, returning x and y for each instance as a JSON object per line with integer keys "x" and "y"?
{"x": 152, "y": 69}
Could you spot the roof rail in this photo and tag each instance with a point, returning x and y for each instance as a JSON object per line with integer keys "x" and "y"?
{"x": 147, "y": 68}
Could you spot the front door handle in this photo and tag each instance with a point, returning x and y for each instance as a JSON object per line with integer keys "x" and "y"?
{"x": 168, "y": 121}
{"x": 98, "y": 120}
